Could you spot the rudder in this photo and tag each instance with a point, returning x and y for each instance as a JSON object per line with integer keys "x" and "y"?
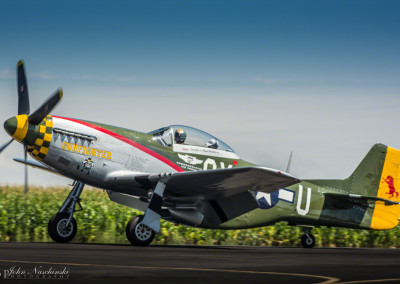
{"x": 384, "y": 216}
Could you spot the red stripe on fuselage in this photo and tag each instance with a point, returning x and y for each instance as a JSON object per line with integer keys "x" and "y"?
{"x": 128, "y": 141}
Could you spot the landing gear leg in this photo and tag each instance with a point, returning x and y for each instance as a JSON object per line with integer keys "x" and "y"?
{"x": 62, "y": 226}
{"x": 307, "y": 239}
{"x": 141, "y": 230}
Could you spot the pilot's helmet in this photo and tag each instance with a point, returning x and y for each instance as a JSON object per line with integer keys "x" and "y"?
{"x": 180, "y": 136}
{"x": 213, "y": 143}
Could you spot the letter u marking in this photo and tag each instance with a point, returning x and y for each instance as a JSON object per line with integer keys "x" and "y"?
{"x": 300, "y": 198}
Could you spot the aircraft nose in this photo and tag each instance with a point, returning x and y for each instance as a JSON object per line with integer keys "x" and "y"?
{"x": 10, "y": 125}
{"x": 17, "y": 126}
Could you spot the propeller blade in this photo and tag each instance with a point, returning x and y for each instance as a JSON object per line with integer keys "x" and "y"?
{"x": 23, "y": 96}
{"x": 26, "y": 169}
{"x": 5, "y": 145}
{"x": 39, "y": 114}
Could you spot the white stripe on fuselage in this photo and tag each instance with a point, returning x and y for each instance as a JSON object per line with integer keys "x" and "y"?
{"x": 188, "y": 149}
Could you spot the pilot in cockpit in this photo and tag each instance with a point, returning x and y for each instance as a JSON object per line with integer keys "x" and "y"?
{"x": 180, "y": 136}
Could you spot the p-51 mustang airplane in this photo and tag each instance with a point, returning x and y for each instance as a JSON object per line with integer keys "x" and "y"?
{"x": 187, "y": 176}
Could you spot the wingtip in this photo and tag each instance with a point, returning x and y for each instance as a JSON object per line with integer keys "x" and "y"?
{"x": 60, "y": 92}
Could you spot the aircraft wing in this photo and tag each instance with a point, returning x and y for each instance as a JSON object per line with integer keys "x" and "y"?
{"x": 224, "y": 193}
{"x": 36, "y": 164}
{"x": 222, "y": 183}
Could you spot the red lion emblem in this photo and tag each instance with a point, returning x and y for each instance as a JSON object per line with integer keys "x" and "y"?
{"x": 392, "y": 189}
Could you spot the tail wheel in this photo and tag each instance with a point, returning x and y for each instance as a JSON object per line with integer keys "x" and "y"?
{"x": 308, "y": 240}
{"x": 137, "y": 233}
{"x": 58, "y": 229}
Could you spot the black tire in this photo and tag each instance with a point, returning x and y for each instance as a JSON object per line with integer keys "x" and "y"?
{"x": 137, "y": 233}
{"x": 49, "y": 226}
{"x": 57, "y": 232}
{"x": 307, "y": 240}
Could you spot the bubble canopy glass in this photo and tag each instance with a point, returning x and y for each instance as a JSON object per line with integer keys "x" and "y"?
{"x": 194, "y": 137}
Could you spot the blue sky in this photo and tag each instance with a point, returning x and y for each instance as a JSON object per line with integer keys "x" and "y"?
{"x": 270, "y": 76}
{"x": 195, "y": 42}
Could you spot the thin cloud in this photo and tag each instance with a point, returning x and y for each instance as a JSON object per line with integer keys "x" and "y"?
{"x": 264, "y": 80}
{"x": 108, "y": 79}
{"x": 44, "y": 75}
{"x": 11, "y": 74}
{"x": 47, "y": 75}
{"x": 119, "y": 79}
{"x": 7, "y": 74}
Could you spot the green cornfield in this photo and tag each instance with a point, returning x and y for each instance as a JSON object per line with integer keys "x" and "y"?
{"x": 24, "y": 218}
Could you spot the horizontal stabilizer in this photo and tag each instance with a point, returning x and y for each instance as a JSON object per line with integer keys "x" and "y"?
{"x": 356, "y": 198}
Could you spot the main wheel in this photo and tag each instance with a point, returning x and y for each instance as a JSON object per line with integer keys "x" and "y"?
{"x": 137, "y": 233}
{"x": 57, "y": 229}
{"x": 308, "y": 240}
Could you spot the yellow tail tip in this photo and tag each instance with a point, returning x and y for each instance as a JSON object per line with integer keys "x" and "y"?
{"x": 20, "y": 63}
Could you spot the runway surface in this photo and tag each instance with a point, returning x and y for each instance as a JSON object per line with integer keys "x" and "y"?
{"x": 89, "y": 263}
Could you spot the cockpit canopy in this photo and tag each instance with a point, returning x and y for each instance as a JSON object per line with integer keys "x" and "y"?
{"x": 186, "y": 135}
